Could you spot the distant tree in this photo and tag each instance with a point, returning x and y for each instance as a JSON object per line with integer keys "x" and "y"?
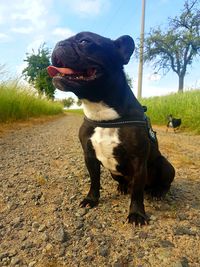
{"x": 68, "y": 102}
{"x": 2, "y": 70}
{"x": 129, "y": 80}
{"x": 176, "y": 48}
{"x": 79, "y": 102}
{"x": 36, "y": 71}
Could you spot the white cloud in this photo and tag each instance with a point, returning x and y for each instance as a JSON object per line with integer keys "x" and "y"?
{"x": 27, "y": 12}
{"x": 35, "y": 44}
{"x": 62, "y": 33}
{"x": 88, "y": 7}
{"x": 30, "y": 12}
{"x": 22, "y": 30}
{"x": 4, "y": 38}
{"x": 3, "y": 9}
{"x": 20, "y": 68}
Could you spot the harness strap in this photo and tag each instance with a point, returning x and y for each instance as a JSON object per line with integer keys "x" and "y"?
{"x": 116, "y": 123}
{"x": 119, "y": 123}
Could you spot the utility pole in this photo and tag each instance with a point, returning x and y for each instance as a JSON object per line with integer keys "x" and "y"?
{"x": 140, "y": 70}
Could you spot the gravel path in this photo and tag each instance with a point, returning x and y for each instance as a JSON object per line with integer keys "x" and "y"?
{"x": 42, "y": 181}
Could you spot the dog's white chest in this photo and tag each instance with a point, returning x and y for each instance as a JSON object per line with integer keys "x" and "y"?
{"x": 104, "y": 141}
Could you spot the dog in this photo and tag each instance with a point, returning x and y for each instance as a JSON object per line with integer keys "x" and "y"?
{"x": 173, "y": 123}
{"x": 115, "y": 131}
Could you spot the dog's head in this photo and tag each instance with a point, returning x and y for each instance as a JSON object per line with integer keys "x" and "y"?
{"x": 88, "y": 60}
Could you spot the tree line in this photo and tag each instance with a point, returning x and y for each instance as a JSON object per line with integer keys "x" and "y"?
{"x": 172, "y": 49}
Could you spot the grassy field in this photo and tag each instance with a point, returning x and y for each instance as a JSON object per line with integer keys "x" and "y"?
{"x": 18, "y": 103}
{"x": 74, "y": 111}
{"x": 185, "y": 106}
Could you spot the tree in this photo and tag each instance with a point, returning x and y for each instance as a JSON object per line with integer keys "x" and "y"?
{"x": 175, "y": 48}
{"x": 68, "y": 102}
{"x": 36, "y": 71}
{"x": 3, "y": 71}
{"x": 129, "y": 80}
{"x": 78, "y": 102}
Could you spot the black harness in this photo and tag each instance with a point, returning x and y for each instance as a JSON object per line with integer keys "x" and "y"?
{"x": 118, "y": 123}
{"x": 115, "y": 123}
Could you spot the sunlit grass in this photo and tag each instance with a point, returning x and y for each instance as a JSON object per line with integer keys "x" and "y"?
{"x": 181, "y": 105}
{"x": 75, "y": 111}
{"x": 17, "y": 102}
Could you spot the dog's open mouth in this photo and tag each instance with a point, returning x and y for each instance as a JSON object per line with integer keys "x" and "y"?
{"x": 70, "y": 74}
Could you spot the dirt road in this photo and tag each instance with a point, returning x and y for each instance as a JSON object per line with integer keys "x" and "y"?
{"x": 42, "y": 181}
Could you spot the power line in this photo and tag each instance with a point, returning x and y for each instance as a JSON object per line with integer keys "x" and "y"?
{"x": 111, "y": 20}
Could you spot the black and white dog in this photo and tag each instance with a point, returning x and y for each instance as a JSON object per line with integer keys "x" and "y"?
{"x": 173, "y": 123}
{"x": 115, "y": 131}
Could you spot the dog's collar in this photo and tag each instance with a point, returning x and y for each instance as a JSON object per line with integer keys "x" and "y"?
{"x": 116, "y": 123}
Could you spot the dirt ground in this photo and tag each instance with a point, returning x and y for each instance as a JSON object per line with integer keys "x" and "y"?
{"x": 42, "y": 181}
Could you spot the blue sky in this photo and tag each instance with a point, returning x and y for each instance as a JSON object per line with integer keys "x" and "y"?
{"x": 26, "y": 24}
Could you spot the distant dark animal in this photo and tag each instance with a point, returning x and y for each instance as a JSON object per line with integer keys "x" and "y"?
{"x": 115, "y": 133}
{"x": 173, "y": 123}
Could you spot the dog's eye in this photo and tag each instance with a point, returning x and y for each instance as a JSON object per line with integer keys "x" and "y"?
{"x": 84, "y": 42}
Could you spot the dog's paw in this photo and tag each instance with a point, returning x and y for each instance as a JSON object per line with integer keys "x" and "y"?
{"x": 138, "y": 219}
{"x": 157, "y": 193}
{"x": 88, "y": 202}
{"x": 122, "y": 188}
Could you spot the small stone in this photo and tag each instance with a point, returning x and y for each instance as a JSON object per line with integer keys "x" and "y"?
{"x": 41, "y": 228}
{"x": 143, "y": 235}
{"x": 177, "y": 264}
{"x": 80, "y": 233}
{"x": 72, "y": 198}
{"x": 27, "y": 245}
{"x": 182, "y": 216}
{"x": 62, "y": 252}
{"x": 4, "y": 255}
{"x": 60, "y": 235}
{"x": 12, "y": 253}
{"x": 81, "y": 212}
{"x": 184, "y": 262}
{"x": 49, "y": 247}
{"x": 16, "y": 222}
{"x": 15, "y": 261}
{"x": 24, "y": 202}
{"x": 45, "y": 237}
{"x": 153, "y": 218}
{"x": 163, "y": 253}
{"x": 141, "y": 254}
{"x": 103, "y": 251}
{"x": 166, "y": 243}
{"x": 32, "y": 263}
{"x": 79, "y": 225}
{"x": 6, "y": 261}
{"x": 183, "y": 231}
{"x": 118, "y": 264}
{"x": 35, "y": 225}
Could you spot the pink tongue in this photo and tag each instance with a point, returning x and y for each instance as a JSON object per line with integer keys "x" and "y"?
{"x": 52, "y": 71}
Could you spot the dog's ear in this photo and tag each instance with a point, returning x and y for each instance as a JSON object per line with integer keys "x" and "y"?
{"x": 125, "y": 46}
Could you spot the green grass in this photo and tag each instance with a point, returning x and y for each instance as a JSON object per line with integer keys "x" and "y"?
{"x": 185, "y": 106}
{"x": 19, "y": 103}
{"x": 75, "y": 111}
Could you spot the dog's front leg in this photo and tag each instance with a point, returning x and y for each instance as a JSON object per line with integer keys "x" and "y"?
{"x": 92, "y": 198}
{"x": 137, "y": 213}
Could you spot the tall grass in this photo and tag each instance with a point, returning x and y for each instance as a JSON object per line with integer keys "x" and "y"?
{"x": 19, "y": 103}
{"x": 185, "y": 106}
